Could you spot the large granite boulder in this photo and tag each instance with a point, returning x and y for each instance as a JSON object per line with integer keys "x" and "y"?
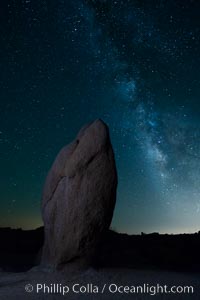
{"x": 79, "y": 196}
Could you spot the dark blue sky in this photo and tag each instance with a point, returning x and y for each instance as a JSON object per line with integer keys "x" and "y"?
{"x": 135, "y": 64}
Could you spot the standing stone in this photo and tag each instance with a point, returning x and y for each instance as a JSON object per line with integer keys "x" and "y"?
{"x": 79, "y": 196}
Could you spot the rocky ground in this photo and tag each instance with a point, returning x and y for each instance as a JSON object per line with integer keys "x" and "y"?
{"x": 14, "y": 285}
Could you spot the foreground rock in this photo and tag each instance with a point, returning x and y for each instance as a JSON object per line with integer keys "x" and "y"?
{"x": 79, "y": 196}
{"x": 88, "y": 285}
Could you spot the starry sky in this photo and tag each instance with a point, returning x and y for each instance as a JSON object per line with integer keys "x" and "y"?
{"x": 133, "y": 63}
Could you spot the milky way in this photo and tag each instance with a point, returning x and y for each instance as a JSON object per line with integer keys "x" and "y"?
{"x": 134, "y": 64}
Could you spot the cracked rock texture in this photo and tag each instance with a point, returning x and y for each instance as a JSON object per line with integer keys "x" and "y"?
{"x": 79, "y": 197}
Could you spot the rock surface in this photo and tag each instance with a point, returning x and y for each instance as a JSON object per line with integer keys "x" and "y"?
{"x": 13, "y": 286}
{"x": 79, "y": 196}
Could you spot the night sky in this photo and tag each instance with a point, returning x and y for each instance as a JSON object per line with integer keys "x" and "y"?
{"x": 133, "y": 63}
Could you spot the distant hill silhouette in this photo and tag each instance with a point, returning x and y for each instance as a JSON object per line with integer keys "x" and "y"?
{"x": 178, "y": 252}
{"x": 20, "y": 250}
